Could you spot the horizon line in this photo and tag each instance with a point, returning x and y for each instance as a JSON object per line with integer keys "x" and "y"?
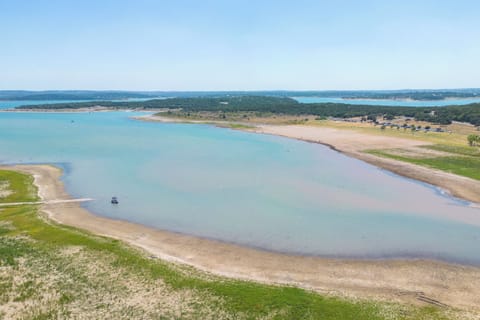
{"x": 245, "y": 90}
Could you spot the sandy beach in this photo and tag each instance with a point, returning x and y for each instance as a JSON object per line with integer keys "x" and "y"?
{"x": 413, "y": 281}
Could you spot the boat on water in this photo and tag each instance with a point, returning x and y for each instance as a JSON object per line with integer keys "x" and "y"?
{"x": 114, "y": 200}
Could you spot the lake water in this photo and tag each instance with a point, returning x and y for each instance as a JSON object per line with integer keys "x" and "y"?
{"x": 389, "y": 102}
{"x": 256, "y": 190}
{"x": 9, "y": 104}
{"x": 6, "y": 104}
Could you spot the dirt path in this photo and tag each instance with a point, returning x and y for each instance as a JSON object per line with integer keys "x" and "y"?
{"x": 49, "y": 202}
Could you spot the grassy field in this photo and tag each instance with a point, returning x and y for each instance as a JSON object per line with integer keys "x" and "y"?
{"x": 456, "y": 134}
{"x": 463, "y": 161}
{"x": 247, "y": 119}
{"x": 51, "y": 271}
{"x": 463, "y": 166}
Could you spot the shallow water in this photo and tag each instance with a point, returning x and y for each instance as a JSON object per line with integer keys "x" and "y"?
{"x": 257, "y": 190}
{"x": 389, "y": 102}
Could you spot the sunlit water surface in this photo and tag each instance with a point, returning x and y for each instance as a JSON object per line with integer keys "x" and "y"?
{"x": 256, "y": 190}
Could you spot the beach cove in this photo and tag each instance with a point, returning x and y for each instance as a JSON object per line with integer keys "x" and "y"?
{"x": 392, "y": 280}
{"x": 259, "y": 191}
{"x": 340, "y": 276}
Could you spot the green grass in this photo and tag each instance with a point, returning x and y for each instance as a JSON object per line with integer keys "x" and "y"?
{"x": 463, "y": 161}
{"x": 236, "y": 126}
{"x": 26, "y": 236}
{"x": 461, "y": 150}
{"x": 241, "y": 297}
{"x": 21, "y": 185}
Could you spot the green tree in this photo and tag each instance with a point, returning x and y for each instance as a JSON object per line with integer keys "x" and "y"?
{"x": 473, "y": 139}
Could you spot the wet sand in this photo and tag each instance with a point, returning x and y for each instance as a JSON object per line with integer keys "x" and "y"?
{"x": 413, "y": 281}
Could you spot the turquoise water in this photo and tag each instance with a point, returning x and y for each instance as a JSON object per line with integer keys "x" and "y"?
{"x": 12, "y": 104}
{"x": 256, "y": 190}
{"x": 389, "y": 102}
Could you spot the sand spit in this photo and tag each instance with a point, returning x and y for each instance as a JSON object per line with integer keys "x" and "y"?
{"x": 414, "y": 281}
{"x": 354, "y": 143}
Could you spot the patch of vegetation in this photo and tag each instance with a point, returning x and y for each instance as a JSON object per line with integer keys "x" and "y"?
{"x": 473, "y": 140}
{"x": 238, "y": 126}
{"x": 466, "y": 151}
{"x": 21, "y": 186}
{"x": 461, "y": 163}
{"x": 53, "y": 271}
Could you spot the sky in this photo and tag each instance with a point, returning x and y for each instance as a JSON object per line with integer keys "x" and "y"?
{"x": 239, "y": 45}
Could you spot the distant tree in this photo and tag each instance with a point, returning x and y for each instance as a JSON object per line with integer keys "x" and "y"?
{"x": 473, "y": 139}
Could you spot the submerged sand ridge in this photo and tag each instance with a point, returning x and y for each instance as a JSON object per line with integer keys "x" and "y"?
{"x": 419, "y": 281}
{"x": 354, "y": 143}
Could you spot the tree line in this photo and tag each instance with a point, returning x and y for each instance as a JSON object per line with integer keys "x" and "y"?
{"x": 284, "y": 105}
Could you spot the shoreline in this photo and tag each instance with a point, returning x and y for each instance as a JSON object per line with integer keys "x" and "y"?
{"x": 407, "y": 281}
{"x": 353, "y": 144}
{"x": 457, "y": 186}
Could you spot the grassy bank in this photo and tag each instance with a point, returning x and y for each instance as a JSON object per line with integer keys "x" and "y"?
{"x": 50, "y": 271}
{"x": 463, "y": 161}
{"x": 450, "y": 151}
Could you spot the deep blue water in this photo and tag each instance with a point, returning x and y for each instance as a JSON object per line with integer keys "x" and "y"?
{"x": 257, "y": 190}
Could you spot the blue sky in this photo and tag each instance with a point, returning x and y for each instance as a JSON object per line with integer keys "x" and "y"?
{"x": 239, "y": 45}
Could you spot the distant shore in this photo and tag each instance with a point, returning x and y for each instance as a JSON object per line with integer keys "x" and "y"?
{"x": 410, "y": 281}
